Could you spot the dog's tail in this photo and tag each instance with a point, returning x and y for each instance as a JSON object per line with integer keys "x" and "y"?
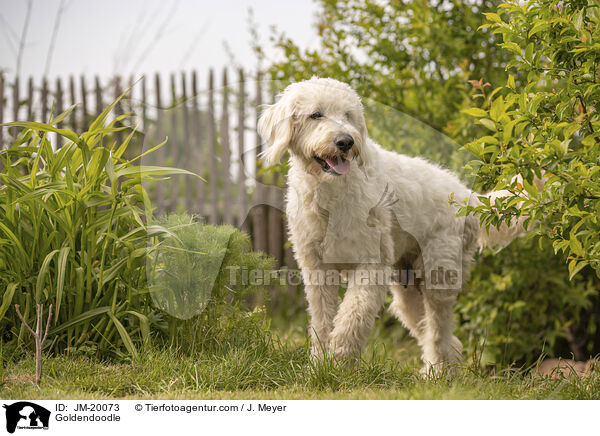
{"x": 498, "y": 238}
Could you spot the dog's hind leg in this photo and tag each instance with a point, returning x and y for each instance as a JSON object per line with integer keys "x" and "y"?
{"x": 357, "y": 313}
{"x": 408, "y": 306}
{"x": 440, "y": 346}
{"x": 443, "y": 274}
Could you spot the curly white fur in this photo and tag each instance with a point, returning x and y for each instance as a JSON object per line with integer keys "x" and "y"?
{"x": 389, "y": 212}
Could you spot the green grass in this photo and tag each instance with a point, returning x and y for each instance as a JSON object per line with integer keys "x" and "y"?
{"x": 270, "y": 369}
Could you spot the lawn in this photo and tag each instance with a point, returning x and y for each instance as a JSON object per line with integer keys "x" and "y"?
{"x": 272, "y": 368}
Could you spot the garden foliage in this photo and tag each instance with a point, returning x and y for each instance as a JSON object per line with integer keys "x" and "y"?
{"x": 76, "y": 230}
{"x": 546, "y": 125}
{"x": 201, "y": 273}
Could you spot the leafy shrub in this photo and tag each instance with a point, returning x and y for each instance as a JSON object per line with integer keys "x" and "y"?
{"x": 548, "y": 125}
{"x": 203, "y": 273}
{"x": 520, "y": 303}
{"x": 73, "y": 234}
{"x": 427, "y": 60}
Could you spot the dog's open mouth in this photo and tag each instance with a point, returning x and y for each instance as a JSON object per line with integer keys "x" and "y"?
{"x": 336, "y": 165}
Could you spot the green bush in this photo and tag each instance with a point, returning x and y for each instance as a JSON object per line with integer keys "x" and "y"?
{"x": 73, "y": 234}
{"x": 200, "y": 275}
{"x": 547, "y": 125}
{"x": 520, "y": 303}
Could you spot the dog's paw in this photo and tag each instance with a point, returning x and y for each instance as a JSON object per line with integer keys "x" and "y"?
{"x": 439, "y": 371}
{"x": 346, "y": 356}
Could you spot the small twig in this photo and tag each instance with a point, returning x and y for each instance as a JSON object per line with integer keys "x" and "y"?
{"x": 23, "y": 38}
{"x": 39, "y": 336}
{"x": 59, "y": 13}
{"x": 47, "y": 324}
{"x": 23, "y": 320}
{"x": 590, "y": 127}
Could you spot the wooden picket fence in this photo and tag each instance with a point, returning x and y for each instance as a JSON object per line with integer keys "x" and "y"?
{"x": 211, "y": 131}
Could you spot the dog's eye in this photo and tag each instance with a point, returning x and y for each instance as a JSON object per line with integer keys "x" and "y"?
{"x": 316, "y": 115}
{"x": 347, "y": 114}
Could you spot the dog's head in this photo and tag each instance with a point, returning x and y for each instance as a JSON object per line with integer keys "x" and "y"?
{"x": 321, "y": 123}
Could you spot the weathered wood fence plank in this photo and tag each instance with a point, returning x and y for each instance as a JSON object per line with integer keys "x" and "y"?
{"x": 173, "y": 145}
{"x": 98, "y": 94}
{"x": 227, "y": 215}
{"x": 30, "y": 99}
{"x": 187, "y": 143}
{"x": 259, "y": 216}
{"x": 160, "y": 153}
{"x": 73, "y": 116}
{"x": 212, "y": 151}
{"x": 58, "y": 109}
{"x": 242, "y": 210}
{"x": 198, "y": 157}
{"x": 16, "y": 106}
{"x": 84, "y": 104}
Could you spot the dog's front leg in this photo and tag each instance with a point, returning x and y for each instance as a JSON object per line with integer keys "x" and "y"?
{"x": 323, "y": 301}
{"x": 356, "y": 316}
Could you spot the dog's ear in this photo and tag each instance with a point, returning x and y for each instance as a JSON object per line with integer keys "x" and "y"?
{"x": 365, "y": 150}
{"x": 275, "y": 127}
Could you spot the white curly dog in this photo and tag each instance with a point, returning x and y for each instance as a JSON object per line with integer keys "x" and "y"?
{"x": 373, "y": 218}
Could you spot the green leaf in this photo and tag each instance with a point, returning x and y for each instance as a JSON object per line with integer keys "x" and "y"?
{"x": 493, "y": 17}
{"x": 488, "y": 123}
{"x": 124, "y": 335}
{"x": 529, "y": 53}
{"x": 475, "y": 112}
{"x": 489, "y": 140}
{"x": 86, "y": 316}
{"x": 39, "y": 286}
{"x": 512, "y": 47}
{"x": 44, "y": 128}
{"x": 576, "y": 246}
{"x": 511, "y": 82}
{"x": 530, "y": 188}
{"x": 7, "y": 298}
{"x": 60, "y": 281}
{"x": 497, "y": 109}
{"x": 576, "y": 266}
{"x": 578, "y": 20}
{"x": 143, "y": 171}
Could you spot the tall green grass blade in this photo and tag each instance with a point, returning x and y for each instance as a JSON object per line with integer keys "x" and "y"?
{"x": 86, "y": 316}
{"x": 44, "y": 128}
{"x": 152, "y": 150}
{"x": 61, "y": 117}
{"x": 60, "y": 281}
{"x": 144, "y": 171}
{"x": 15, "y": 240}
{"x": 41, "y": 278}
{"x": 144, "y": 324}
{"x": 124, "y": 335}
{"x": 7, "y": 298}
{"x": 101, "y": 119}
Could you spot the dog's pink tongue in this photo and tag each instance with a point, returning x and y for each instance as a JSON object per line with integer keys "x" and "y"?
{"x": 339, "y": 165}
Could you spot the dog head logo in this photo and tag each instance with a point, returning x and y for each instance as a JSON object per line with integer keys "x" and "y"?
{"x": 26, "y": 415}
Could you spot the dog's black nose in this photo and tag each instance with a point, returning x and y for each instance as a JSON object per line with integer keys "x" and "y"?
{"x": 344, "y": 142}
